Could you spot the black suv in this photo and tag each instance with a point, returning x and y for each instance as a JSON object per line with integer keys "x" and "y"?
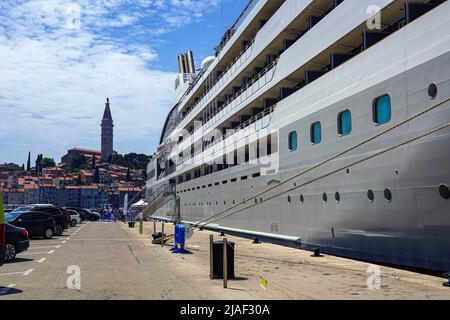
{"x": 36, "y": 223}
{"x": 61, "y": 220}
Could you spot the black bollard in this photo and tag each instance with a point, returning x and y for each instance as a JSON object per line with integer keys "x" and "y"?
{"x": 447, "y": 275}
{"x": 256, "y": 241}
{"x": 316, "y": 253}
{"x": 222, "y": 234}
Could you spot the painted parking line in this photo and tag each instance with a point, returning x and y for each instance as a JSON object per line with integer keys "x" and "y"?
{"x": 46, "y": 247}
{"x": 24, "y": 273}
{"x": 44, "y": 243}
{"x": 12, "y": 273}
{"x": 41, "y": 260}
{"x": 42, "y": 252}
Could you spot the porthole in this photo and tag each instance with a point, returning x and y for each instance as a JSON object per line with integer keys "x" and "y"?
{"x": 347, "y": 171}
{"x": 289, "y": 199}
{"x": 324, "y": 197}
{"x": 224, "y": 202}
{"x": 217, "y": 203}
{"x": 302, "y": 199}
{"x": 388, "y": 194}
{"x": 260, "y": 200}
{"x": 337, "y": 197}
{"x": 432, "y": 90}
{"x": 444, "y": 192}
{"x": 234, "y": 202}
{"x": 256, "y": 200}
{"x": 370, "y": 195}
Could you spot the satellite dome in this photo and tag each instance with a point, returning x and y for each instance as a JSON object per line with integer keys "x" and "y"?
{"x": 207, "y": 62}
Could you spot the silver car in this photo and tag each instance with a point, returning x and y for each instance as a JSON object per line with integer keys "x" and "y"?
{"x": 74, "y": 218}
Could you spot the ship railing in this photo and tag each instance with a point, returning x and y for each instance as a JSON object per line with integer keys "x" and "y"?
{"x": 230, "y": 32}
{"x": 226, "y": 75}
{"x": 238, "y": 61}
{"x": 245, "y": 93}
{"x": 258, "y": 82}
{"x": 257, "y": 122}
{"x": 165, "y": 189}
{"x": 251, "y": 121}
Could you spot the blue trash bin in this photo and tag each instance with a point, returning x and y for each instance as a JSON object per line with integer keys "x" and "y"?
{"x": 180, "y": 239}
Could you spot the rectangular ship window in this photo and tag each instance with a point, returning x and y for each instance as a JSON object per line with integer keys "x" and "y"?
{"x": 382, "y": 109}
{"x": 345, "y": 122}
{"x": 316, "y": 132}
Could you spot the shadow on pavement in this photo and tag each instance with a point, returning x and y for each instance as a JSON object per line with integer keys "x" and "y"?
{"x": 19, "y": 260}
{"x": 5, "y": 291}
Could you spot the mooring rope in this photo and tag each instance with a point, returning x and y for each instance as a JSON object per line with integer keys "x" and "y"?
{"x": 204, "y": 221}
{"x": 337, "y": 170}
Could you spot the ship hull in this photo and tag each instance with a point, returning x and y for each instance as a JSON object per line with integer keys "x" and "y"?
{"x": 412, "y": 229}
{"x": 389, "y": 208}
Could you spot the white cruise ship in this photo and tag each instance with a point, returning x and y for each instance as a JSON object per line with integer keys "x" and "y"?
{"x": 317, "y": 124}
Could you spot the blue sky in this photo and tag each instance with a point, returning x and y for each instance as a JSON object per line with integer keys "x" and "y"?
{"x": 60, "y": 60}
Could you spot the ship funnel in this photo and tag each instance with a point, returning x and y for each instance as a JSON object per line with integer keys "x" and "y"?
{"x": 190, "y": 67}
{"x": 182, "y": 64}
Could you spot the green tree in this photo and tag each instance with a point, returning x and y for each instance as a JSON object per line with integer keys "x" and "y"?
{"x": 96, "y": 176}
{"x": 131, "y": 160}
{"x": 48, "y": 163}
{"x": 29, "y": 162}
{"x": 10, "y": 167}
{"x": 128, "y": 175}
{"x": 77, "y": 161}
{"x": 39, "y": 164}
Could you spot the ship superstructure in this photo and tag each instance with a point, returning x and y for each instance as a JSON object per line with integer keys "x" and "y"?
{"x": 318, "y": 124}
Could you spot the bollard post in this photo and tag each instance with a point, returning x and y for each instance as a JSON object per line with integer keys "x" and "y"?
{"x": 211, "y": 265}
{"x": 225, "y": 264}
{"x": 141, "y": 224}
{"x": 162, "y": 237}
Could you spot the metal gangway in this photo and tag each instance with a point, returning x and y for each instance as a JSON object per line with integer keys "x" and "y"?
{"x": 157, "y": 198}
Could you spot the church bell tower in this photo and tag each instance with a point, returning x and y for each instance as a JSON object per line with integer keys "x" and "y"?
{"x": 107, "y": 133}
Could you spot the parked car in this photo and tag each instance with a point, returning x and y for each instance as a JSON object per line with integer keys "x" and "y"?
{"x": 36, "y": 223}
{"x": 8, "y": 208}
{"x": 91, "y": 215}
{"x": 79, "y": 210}
{"x": 66, "y": 215}
{"x": 74, "y": 217}
{"x": 61, "y": 220}
{"x": 17, "y": 241}
{"x": 2, "y": 232}
{"x": 85, "y": 214}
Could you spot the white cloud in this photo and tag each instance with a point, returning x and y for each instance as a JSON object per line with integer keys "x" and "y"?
{"x": 54, "y": 80}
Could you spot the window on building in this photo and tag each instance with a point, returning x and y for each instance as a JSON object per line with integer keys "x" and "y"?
{"x": 292, "y": 141}
{"x": 316, "y": 132}
{"x": 345, "y": 123}
{"x": 382, "y": 109}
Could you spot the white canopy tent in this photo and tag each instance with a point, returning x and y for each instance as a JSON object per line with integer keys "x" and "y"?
{"x": 140, "y": 204}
